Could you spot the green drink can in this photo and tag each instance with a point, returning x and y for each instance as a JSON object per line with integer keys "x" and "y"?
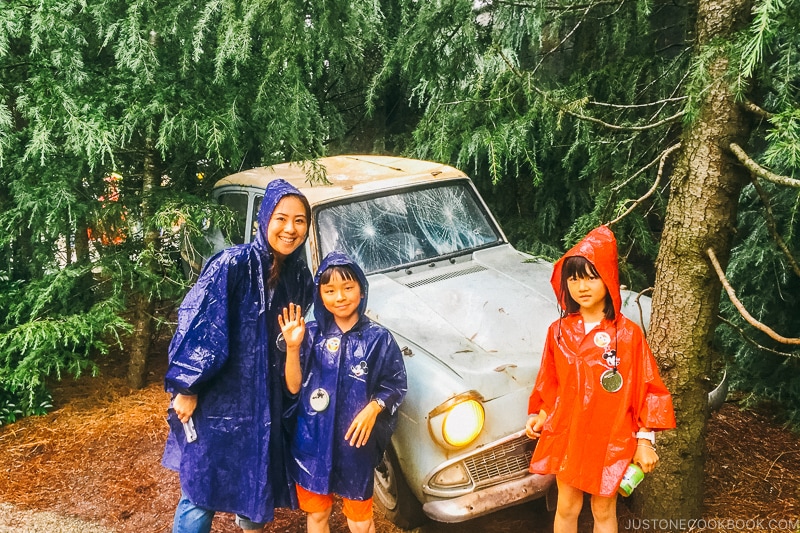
{"x": 630, "y": 479}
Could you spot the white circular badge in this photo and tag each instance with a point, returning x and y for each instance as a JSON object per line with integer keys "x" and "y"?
{"x": 332, "y": 344}
{"x": 602, "y": 339}
{"x": 319, "y": 400}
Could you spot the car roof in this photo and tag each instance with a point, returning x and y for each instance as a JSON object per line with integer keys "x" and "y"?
{"x": 348, "y": 175}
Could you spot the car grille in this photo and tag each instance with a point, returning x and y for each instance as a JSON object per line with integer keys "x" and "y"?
{"x": 509, "y": 459}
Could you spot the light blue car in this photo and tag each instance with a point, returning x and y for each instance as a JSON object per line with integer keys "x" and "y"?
{"x": 468, "y": 310}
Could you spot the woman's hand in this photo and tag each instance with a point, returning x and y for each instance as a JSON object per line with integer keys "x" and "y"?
{"x": 534, "y": 425}
{"x": 184, "y": 405}
{"x": 293, "y": 325}
{"x": 645, "y": 455}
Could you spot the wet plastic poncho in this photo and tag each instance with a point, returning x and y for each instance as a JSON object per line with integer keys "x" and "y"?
{"x": 588, "y": 436}
{"x": 353, "y": 368}
{"x": 224, "y": 351}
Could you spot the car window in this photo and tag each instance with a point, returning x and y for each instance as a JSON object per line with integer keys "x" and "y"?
{"x": 402, "y": 228}
{"x": 254, "y": 225}
{"x": 237, "y": 202}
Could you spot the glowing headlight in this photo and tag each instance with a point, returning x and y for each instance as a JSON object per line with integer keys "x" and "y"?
{"x": 462, "y": 423}
{"x": 458, "y": 420}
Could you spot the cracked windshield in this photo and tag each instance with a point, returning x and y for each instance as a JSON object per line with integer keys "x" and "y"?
{"x": 408, "y": 227}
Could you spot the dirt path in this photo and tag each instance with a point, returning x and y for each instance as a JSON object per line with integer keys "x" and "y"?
{"x": 15, "y": 520}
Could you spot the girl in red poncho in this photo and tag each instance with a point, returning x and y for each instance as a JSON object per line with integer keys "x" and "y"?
{"x": 598, "y": 397}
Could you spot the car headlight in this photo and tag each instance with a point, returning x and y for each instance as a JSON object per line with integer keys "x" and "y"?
{"x": 458, "y": 421}
{"x": 462, "y": 423}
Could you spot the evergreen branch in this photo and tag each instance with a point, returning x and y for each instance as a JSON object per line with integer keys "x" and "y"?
{"x": 565, "y": 109}
{"x": 750, "y": 341}
{"x": 773, "y": 228}
{"x": 761, "y": 172}
{"x": 757, "y": 110}
{"x": 740, "y": 307}
{"x": 649, "y": 193}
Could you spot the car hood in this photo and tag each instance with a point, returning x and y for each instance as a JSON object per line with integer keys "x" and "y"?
{"x": 485, "y": 317}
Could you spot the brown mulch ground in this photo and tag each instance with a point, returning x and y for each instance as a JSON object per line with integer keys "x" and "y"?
{"x": 96, "y": 457}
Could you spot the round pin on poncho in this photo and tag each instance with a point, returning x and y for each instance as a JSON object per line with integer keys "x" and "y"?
{"x": 611, "y": 380}
{"x": 320, "y": 399}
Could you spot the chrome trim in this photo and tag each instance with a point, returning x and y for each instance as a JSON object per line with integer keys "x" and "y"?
{"x": 453, "y": 400}
{"x": 490, "y": 499}
{"x": 490, "y": 464}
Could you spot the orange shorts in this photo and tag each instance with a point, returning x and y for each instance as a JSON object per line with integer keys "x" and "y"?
{"x": 355, "y": 510}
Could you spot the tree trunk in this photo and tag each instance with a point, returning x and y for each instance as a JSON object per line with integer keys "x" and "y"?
{"x": 701, "y": 213}
{"x": 142, "y": 302}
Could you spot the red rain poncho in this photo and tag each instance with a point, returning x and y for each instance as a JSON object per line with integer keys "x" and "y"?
{"x": 588, "y": 438}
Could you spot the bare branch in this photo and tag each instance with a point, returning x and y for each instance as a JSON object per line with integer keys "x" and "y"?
{"x": 750, "y": 341}
{"x": 619, "y": 187}
{"x": 773, "y": 229}
{"x": 739, "y": 307}
{"x": 664, "y": 155}
{"x": 756, "y": 110}
{"x": 760, "y": 171}
{"x": 615, "y": 127}
{"x": 566, "y": 37}
{"x": 641, "y": 311}
{"x": 639, "y": 106}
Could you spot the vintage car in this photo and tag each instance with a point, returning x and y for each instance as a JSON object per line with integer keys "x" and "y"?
{"x": 468, "y": 310}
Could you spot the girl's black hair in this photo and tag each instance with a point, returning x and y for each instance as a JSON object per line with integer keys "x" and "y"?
{"x": 580, "y": 267}
{"x": 344, "y": 272}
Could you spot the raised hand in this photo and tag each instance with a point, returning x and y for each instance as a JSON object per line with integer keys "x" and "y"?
{"x": 293, "y": 325}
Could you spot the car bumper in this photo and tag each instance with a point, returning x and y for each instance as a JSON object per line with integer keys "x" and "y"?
{"x": 490, "y": 499}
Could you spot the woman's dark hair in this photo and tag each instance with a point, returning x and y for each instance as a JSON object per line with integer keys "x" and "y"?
{"x": 344, "y": 272}
{"x": 277, "y": 263}
{"x": 580, "y": 267}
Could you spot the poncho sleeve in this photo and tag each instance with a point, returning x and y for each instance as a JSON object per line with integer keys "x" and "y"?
{"x": 654, "y": 407}
{"x": 200, "y": 345}
{"x": 545, "y": 389}
{"x": 390, "y": 386}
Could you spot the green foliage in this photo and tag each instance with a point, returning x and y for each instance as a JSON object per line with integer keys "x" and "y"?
{"x": 504, "y": 89}
{"x": 770, "y": 290}
{"x": 98, "y": 98}
{"x": 12, "y": 408}
{"x": 51, "y": 328}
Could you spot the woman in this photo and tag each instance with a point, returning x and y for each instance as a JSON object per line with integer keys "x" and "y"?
{"x": 226, "y": 373}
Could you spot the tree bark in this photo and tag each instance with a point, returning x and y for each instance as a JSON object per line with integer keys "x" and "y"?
{"x": 143, "y": 305}
{"x": 701, "y": 213}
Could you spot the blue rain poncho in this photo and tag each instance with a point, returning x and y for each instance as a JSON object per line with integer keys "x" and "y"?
{"x": 354, "y": 368}
{"x": 224, "y": 351}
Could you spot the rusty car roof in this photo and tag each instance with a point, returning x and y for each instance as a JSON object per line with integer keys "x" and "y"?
{"x": 348, "y": 175}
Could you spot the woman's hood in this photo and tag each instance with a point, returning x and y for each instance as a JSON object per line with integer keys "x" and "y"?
{"x": 273, "y": 194}
{"x": 600, "y": 248}
{"x": 335, "y": 258}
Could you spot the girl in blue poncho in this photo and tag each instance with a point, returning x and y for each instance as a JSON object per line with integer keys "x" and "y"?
{"x": 226, "y": 373}
{"x": 353, "y": 381}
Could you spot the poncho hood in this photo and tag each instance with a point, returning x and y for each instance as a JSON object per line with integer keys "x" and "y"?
{"x": 600, "y": 248}
{"x": 324, "y": 317}
{"x": 273, "y": 194}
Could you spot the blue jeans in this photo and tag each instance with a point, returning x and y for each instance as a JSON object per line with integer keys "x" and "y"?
{"x": 191, "y": 518}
